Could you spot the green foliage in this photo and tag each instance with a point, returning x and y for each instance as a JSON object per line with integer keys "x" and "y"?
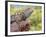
{"x": 36, "y": 19}
{"x": 14, "y": 10}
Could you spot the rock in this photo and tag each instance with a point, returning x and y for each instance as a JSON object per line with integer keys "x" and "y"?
{"x": 14, "y": 27}
{"x": 24, "y": 26}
